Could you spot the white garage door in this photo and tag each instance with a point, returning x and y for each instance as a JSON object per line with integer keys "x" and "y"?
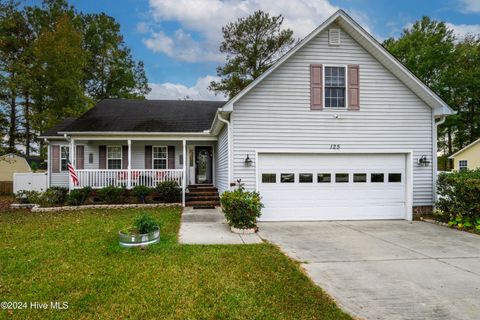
{"x": 332, "y": 186}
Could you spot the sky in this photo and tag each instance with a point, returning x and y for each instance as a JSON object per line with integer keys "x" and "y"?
{"x": 178, "y": 40}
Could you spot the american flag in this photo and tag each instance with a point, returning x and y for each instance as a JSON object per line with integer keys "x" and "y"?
{"x": 73, "y": 175}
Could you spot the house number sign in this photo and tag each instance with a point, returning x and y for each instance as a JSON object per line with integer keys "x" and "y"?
{"x": 334, "y": 146}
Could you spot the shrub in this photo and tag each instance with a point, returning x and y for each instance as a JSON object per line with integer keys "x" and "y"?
{"x": 141, "y": 192}
{"x": 145, "y": 223}
{"x": 241, "y": 208}
{"x": 26, "y": 196}
{"x": 53, "y": 196}
{"x": 79, "y": 196}
{"x": 111, "y": 195}
{"x": 169, "y": 191}
{"x": 459, "y": 198}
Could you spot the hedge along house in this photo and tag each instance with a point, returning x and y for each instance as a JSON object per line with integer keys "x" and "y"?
{"x": 336, "y": 129}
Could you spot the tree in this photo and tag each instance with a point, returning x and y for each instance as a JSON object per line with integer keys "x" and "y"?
{"x": 13, "y": 35}
{"x": 251, "y": 45}
{"x": 58, "y": 71}
{"x": 110, "y": 71}
{"x": 451, "y": 67}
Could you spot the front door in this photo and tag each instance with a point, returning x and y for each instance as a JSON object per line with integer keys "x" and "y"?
{"x": 203, "y": 165}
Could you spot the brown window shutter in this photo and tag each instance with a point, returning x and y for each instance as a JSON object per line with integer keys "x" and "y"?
{"x": 354, "y": 87}
{"x": 316, "y": 80}
{"x": 55, "y": 158}
{"x": 102, "y": 157}
{"x": 124, "y": 157}
{"x": 79, "y": 155}
{"x": 171, "y": 157}
{"x": 148, "y": 157}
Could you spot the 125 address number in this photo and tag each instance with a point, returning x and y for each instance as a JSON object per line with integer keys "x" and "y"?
{"x": 334, "y": 146}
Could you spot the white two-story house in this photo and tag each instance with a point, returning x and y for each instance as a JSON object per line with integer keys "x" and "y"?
{"x": 336, "y": 129}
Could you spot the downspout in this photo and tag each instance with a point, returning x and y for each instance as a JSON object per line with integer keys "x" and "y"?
{"x": 228, "y": 147}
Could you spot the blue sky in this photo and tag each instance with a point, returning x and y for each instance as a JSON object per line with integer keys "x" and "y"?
{"x": 178, "y": 39}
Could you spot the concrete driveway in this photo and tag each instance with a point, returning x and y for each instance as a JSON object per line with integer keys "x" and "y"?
{"x": 387, "y": 269}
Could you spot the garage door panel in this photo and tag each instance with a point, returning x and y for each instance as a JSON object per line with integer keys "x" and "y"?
{"x": 332, "y": 200}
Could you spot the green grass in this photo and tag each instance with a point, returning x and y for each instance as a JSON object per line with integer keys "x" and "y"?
{"x": 75, "y": 257}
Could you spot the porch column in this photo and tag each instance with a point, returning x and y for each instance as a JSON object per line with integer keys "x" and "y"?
{"x": 71, "y": 157}
{"x": 129, "y": 167}
{"x": 184, "y": 178}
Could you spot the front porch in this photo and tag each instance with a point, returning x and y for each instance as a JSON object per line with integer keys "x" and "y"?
{"x": 102, "y": 161}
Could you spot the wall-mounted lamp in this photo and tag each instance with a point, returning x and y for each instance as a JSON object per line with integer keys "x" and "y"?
{"x": 248, "y": 161}
{"x": 423, "y": 161}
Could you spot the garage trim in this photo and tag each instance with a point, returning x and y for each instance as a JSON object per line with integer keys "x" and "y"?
{"x": 408, "y": 167}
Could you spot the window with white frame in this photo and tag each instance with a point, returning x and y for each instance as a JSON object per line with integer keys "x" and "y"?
{"x": 462, "y": 165}
{"x": 64, "y": 157}
{"x": 114, "y": 157}
{"x": 334, "y": 81}
{"x": 159, "y": 157}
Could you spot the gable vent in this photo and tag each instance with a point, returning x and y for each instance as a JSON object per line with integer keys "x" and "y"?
{"x": 334, "y": 37}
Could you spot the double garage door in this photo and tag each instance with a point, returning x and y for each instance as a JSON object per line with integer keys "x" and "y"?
{"x": 301, "y": 186}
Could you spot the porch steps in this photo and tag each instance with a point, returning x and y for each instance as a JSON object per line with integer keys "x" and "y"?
{"x": 202, "y": 196}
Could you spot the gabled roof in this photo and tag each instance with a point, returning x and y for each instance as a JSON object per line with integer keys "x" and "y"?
{"x": 462, "y": 150}
{"x": 369, "y": 43}
{"x": 150, "y": 116}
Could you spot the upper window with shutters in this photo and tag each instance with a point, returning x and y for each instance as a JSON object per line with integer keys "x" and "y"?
{"x": 334, "y": 87}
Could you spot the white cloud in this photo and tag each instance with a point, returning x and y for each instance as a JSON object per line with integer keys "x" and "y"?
{"x": 462, "y": 30}
{"x": 172, "y": 91}
{"x": 181, "y": 46}
{"x": 205, "y": 18}
{"x": 470, "y": 6}
{"x": 142, "y": 27}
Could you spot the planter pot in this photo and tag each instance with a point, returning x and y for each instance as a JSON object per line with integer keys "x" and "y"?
{"x": 243, "y": 231}
{"x": 138, "y": 240}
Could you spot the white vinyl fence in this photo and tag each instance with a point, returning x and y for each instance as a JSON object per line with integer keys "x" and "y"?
{"x": 30, "y": 181}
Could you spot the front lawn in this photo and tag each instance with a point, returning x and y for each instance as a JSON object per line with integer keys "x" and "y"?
{"x": 74, "y": 257}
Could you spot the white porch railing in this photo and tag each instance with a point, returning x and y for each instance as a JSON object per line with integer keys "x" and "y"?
{"x": 100, "y": 178}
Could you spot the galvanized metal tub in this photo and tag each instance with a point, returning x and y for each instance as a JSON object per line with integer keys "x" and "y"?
{"x": 138, "y": 240}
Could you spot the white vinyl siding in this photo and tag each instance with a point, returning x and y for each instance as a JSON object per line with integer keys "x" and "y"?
{"x": 276, "y": 114}
{"x": 221, "y": 164}
{"x": 58, "y": 178}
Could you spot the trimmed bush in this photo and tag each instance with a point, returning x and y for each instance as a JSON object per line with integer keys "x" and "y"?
{"x": 27, "y": 197}
{"x": 53, "y": 196}
{"x": 145, "y": 223}
{"x": 141, "y": 192}
{"x": 78, "y": 197}
{"x": 459, "y": 198}
{"x": 111, "y": 195}
{"x": 169, "y": 191}
{"x": 241, "y": 208}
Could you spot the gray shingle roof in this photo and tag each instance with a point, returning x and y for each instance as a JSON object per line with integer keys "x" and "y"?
{"x": 122, "y": 115}
{"x": 59, "y": 127}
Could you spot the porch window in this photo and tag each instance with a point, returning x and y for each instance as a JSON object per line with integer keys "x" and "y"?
{"x": 160, "y": 157}
{"x": 64, "y": 156}
{"x": 114, "y": 157}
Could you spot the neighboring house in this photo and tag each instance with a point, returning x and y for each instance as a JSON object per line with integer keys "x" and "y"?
{"x": 11, "y": 163}
{"x": 336, "y": 129}
{"x": 467, "y": 158}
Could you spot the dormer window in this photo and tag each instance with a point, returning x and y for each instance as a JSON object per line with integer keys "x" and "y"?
{"x": 335, "y": 87}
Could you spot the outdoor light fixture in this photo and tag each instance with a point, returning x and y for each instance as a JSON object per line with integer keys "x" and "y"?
{"x": 248, "y": 161}
{"x": 423, "y": 161}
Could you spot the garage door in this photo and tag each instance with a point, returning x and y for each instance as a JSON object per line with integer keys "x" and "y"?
{"x": 332, "y": 186}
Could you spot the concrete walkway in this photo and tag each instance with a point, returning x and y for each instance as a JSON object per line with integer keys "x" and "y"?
{"x": 387, "y": 269}
{"x": 208, "y": 226}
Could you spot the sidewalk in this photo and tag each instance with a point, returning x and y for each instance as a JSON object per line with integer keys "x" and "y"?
{"x": 208, "y": 226}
